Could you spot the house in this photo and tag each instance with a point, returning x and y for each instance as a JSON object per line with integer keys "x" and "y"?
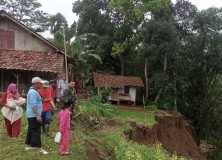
{"x": 25, "y": 54}
{"x": 123, "y": 87}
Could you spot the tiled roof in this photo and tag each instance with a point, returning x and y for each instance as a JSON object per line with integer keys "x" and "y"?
{"x": 31, "y": 60}
{"x": 116, "y": 81}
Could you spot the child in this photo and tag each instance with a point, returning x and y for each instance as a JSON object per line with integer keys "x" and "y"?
{"x": 64, "y": 127}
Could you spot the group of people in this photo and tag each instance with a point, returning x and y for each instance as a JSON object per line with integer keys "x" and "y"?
{"x": 40, "y": 104}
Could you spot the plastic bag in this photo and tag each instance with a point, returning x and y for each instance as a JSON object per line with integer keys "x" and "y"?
{"x": 21, "y": 101}
{"x": 58, "y": 137}
{"x": 11, "y": 102}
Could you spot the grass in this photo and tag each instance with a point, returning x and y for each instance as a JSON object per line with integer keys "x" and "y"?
{"x": 139, "y": 117}
{"x": 12, "y": 149}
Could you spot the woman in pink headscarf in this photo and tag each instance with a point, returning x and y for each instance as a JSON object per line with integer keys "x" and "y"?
{"x": 12, "y": 112}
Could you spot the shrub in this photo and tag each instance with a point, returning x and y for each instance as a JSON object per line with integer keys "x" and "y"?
{"x": 128, "y": 150}
{"x": 91, "y": 110}
{"x": 105, "y": 93}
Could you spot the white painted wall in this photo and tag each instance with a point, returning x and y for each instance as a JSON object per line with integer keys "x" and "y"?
{"x": 132, "y": 92}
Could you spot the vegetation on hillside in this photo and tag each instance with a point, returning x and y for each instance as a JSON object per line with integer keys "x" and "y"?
{"x": 175, "y": 48}
{"x": 89, "y": 139}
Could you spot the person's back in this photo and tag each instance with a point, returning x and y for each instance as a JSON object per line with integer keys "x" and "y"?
{"x": 69, "y": 94}
{"x": 46, "y": 94}
{"x": 33, "y": 99}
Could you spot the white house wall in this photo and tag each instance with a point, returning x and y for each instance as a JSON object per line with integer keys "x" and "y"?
{"x": 132, "y": 92}
{"x": 24, "y": 40}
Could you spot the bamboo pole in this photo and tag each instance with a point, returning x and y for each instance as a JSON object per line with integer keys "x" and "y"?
{"x": 66, "y": 64}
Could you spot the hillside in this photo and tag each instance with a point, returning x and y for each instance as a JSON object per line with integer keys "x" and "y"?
{"x": 104, "y": 132}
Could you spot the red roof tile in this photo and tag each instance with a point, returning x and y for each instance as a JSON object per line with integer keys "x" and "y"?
{"x": 116, "y": 81}
{"x": 31, "y": 60}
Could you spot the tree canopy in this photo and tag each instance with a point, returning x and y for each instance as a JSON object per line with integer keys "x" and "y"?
{"x": 174, "y": 47}
{"x": 27, "y": 12}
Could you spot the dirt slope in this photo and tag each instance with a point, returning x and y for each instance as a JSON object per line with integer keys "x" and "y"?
{"x": 172, "y": 133}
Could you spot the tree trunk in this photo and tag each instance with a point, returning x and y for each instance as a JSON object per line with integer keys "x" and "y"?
{"x": 158, "y": 96}
{"x": 165, "y": 64}
{"x": 164, "y": 71}
{"x": 175, "y": 91}
{"x": 122, "y": 63}
{"x": 146, "y": 79}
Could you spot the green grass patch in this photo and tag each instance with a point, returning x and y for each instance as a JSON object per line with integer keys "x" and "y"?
{"x": 13, "y": 149}
{"x": 151, "y": 107}
{"x": 139, "y": 117}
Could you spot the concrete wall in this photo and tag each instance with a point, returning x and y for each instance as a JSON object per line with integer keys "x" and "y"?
{"x": 132, "y": 92}
{"x": 24, "y": 40}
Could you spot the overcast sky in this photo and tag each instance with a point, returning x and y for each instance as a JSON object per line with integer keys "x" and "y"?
{"x": 65, "y": 7}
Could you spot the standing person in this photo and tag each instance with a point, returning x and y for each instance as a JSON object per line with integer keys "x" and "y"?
{"x": 47, "y": 100}
{"x": 11, "y": 116}
{"x": 63, "y": 84}
{"x": 52, "y": 88}
{"x": 64, "y": 127}
{"x": 70, "y": 94}
{"x": 33, "y": 113}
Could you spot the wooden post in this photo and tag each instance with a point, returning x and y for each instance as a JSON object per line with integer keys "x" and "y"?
{"x": 2, "y": 80}
{"x": 98, "y": 90}
{"x": 17, "y": 79}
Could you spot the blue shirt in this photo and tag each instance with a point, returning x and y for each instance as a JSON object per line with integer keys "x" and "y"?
{"x": 33, "y": 100}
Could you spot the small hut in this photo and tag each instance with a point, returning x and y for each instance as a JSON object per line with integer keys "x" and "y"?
{"x": 123, "y": 87}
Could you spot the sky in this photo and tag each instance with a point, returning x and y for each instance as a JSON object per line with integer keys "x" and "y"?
{"x": 65, "y": 8}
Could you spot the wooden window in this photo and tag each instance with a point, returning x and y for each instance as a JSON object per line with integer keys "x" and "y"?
{"x": 126, "y": 89}
{"x": 7, "y": 39}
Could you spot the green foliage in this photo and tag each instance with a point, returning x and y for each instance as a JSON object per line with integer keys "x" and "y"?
{"x": 139, "y": 117}
{"x": 161, "y": 9}
{"x": 59, "y": 29}
{"x": 128, "y": 150}
{"x": 151, "y": 107}
{"x": 27, "y": 12}
{"x": 93, "y": 109}
{"x": 105, "y": 93}
{"x": 176, "y": 48}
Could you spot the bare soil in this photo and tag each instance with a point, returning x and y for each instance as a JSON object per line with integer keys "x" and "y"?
{"x": 170, "y": 130}
{"x": 172, "y": 133}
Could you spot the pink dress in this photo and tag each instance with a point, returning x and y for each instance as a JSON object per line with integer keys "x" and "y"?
{"x": 64, "y": 128}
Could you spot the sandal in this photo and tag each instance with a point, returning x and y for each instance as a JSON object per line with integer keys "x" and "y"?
{"x": 65, "y": 154}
